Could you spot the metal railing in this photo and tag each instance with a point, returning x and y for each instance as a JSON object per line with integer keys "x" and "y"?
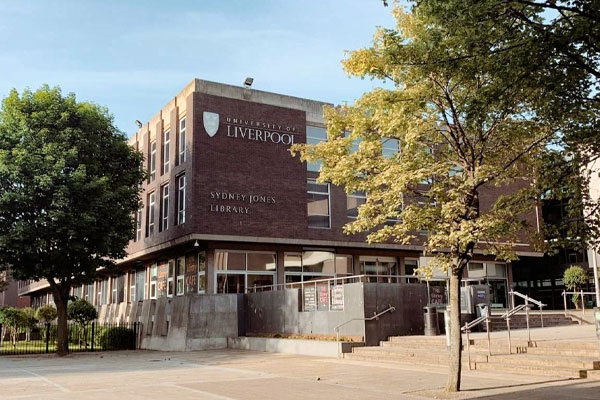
{"x": 487, "y": 318}
{"x": 329, "y": 283}
{"x": 467, "y": 329}
{"x": 528, "y": 300}
{"x": 390, "y": 308}
{"x": 580, "y": 293}
{"x": 43, "y": 338}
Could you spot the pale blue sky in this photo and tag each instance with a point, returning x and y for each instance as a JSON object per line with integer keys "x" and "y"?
{"x": 134, "y": 56}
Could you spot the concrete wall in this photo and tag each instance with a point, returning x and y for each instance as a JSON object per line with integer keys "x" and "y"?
{"x": 280, "y": 312}
{"x": 191, "y": 322}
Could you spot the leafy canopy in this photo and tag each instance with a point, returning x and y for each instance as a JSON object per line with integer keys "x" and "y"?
{"x": 575, "y": 277}
{"x": 68, "y": 187}
{"x": 465, "y": 127}
{"x": 46, "y": 314}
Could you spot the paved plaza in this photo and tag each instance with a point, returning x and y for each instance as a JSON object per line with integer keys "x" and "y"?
{"x": 232, "y": 374}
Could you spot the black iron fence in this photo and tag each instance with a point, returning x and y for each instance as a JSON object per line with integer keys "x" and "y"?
{"x": 93, "y": 336}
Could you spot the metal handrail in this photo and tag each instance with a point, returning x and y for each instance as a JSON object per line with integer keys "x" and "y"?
{"x": 527, "y": 299}
{"x": 390, "y": 308}
{"x": 582, "y": 294}
{"x": 467, "y": 328}
{"x": 509, "y": 314}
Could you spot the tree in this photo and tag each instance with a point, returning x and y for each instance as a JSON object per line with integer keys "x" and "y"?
{"x": 30, "y": 321}
{"x": 82, "y": 312}
{"x": 574, "y": 278}
{"x": 464, "y": 127}
{"x": 13, "y": 320}
{"x": 46, "y": 314}
{"x": 563, "y": 41}
{"x": 69, "y": 186}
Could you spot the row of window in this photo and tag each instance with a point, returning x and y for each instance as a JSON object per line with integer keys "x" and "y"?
{"x": 315, "y": 134}
{"x": 166, "y": 148}
{"x": 164, "y": 208}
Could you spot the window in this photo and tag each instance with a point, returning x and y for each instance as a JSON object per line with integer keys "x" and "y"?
{"x": 410, "y": 266}
{"x": 314, "y": 265}
{"x": 476, "y": 270}
{"x": 182, "y": 144}
{"x": 153, "y": 280}
{"x": 391, "y": 147}
{"x": 140, "y": 284}
{"x": 353, "y": 201}
{"x": 113, "y": 286}
{"x": 150, "y": 216}
{"x": 181, "y": 199}
{"x": 152, "y": 161}
{"x": 170, "y": 276}
{"x": 239, "y": 270}
{"x": 315, "y": 135}
{"x": 382, "y": 269}
{"x": 138, "y": 225}
{"x": 164, "y": 209}
{"x": 318, "y": 205}
{"x": 166, "y": 148}
{"x": 180, "y": 272}
{"x": 201, "y": 272}
{"x": 131, "y": 285}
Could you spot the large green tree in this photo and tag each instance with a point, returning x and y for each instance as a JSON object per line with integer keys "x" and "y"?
{"x": 467, "y": 124}
{"x": 69, "y": 186}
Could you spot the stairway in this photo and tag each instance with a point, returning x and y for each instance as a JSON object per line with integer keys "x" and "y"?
{"x": 548, "y": 358}
{"x": 519, "y": 321}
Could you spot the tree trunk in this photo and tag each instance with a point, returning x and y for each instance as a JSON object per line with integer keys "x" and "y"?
{"x": 455, "y": 363}
{"x": 61, "y": 299}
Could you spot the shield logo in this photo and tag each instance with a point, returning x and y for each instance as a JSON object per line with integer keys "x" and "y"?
{"x": 211, "y": 123}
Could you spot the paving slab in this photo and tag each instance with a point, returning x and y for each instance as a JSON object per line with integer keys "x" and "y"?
{"x": 236, "y": 374}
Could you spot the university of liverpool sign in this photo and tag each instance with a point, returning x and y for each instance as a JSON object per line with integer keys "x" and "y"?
{"x": 246, "y": 129}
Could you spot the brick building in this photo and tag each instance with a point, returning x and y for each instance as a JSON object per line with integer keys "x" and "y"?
{"x": 227, "y": 209}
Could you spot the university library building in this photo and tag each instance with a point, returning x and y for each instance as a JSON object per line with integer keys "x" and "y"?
{"x": 236, "y": 237}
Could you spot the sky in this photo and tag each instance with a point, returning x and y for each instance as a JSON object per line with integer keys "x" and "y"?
{"x": 134, "y": 56}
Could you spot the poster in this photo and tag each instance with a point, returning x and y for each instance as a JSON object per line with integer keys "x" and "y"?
{"x": 310, "y": 298}
{"x": 337, "y": 298}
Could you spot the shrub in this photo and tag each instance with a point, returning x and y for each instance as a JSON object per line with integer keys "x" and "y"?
{"x": 574, "y": 278}
{"x": 116, "y": 338}
{"x": 13, "y": 320}
{"x": 81, "y": 312}
{"x": 46, "y": 314}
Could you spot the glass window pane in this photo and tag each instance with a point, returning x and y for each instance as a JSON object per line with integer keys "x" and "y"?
{"x": 343, "y": 265}
{"x": 231, "y": 283}
{"x": 352, "y": 204}
{"x": 410, "y": 266}
{"x": 227, "y": 260}
{"x": 318, "y": 204}
{"x": 316, "y": 132}
{"x": 260, "y": 280}
{"x": 318, "y": 221}
{"x": 292, "y": 262}
{"x": 313, "y": 186}
{"x": 476, "y": 270}
{"x": 261, "y": 262}
{"x": 318, "y": 261}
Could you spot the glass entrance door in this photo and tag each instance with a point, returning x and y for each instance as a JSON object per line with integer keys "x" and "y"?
{"x": 499, "y": 293}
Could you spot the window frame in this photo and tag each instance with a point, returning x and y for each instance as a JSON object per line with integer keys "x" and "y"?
{"x": 308, "y": 192}
{"x": 180, "y": 276}
{"x": 170, "y": 276}
{"x": 164, "y": 207}
{"x": 355, "y": 196}
{"x": 181, "y": 204}
{"x": 151, "y": 205}
{"x": 152, "y": 161}
{"x": 138, "y": 225}
{"x": 245, "y": 272}
{"x": 166, "y": 156}
{"x": 182, "y": 143}
{"x": 201, "y": 272}
{"x": 153, "y": 282}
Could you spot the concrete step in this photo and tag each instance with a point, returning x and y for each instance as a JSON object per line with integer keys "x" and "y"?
{"x": 420, "y": 358}
{"x": 544, "y": 344}
{"x": 544, "y": 360}
{"x": 532, "y": 370}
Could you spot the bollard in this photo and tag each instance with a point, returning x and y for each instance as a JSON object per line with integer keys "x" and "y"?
{"x": 447, "y": 327}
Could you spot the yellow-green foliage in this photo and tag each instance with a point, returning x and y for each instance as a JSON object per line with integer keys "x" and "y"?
{"x": 462, "y": 128}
